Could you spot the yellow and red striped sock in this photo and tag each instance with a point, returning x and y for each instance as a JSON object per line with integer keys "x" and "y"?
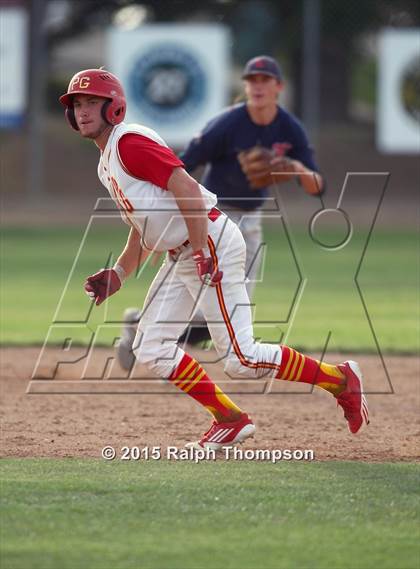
{"x": 193, "y": 380}
{"x": 297, "y": 367}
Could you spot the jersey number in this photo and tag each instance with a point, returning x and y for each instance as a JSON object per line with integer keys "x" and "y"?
{"x": 123, "y": 201}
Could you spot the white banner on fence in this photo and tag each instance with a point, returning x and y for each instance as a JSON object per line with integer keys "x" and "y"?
{"x": 398, "y": 124}
{"x": 175, "y": 76}
{"x": 13, "y": 68}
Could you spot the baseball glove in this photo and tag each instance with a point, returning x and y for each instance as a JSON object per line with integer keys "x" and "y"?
{"x": 257, "y": 165}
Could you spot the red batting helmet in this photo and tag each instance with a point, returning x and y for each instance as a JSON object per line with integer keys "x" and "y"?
{"x": 96, "y": 82}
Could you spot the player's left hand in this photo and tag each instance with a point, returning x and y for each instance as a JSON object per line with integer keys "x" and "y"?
{"x": 208, "y": 273}
{"x": 101, "y": 285}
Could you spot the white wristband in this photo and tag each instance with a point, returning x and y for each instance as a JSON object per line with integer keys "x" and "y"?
{"x": 122, "y": 275}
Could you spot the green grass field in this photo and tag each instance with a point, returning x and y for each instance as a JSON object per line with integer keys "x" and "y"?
{"x": 36, "y": 265}
{"x": 71, "y": 514}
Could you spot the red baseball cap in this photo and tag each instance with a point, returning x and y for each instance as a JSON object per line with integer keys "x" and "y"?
{"x": 264, "y": 65}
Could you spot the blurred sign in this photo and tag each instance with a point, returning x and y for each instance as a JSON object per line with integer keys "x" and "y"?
{"x": 13, "y": 69}
{"x": 175, "y": 76}
{"x": 398, "y": 125}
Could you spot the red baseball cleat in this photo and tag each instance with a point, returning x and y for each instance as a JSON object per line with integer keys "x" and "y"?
{"x": 352, "y": 399}
{"x": 225, "y": 434}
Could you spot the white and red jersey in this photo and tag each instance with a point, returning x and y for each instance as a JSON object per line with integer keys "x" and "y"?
{"x": 135, "y": 167}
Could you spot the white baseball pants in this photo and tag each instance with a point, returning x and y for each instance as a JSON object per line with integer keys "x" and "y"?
{"x": 177, "y": 292}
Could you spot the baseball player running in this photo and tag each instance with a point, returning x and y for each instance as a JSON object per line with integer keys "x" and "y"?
{"x": 167, "y": 210}
{"x": 242, "y": 146}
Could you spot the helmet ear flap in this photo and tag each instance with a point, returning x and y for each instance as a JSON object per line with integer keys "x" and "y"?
{"x": 111, "y": 113}
{"x": 70, "y": 118}
{"x": 105, "y": 112}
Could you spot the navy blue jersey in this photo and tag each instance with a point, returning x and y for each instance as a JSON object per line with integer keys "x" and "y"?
{"x": 232, "y": 131}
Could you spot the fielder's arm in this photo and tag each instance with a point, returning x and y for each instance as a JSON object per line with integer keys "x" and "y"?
{"x": 191, "y": 205}
{"x": 310, "y": 180}
{"x": 286, "y": 169}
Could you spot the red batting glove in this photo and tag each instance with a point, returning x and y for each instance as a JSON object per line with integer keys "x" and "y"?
{"x": 101, "y": 285}
{"x": 209, "y": 275}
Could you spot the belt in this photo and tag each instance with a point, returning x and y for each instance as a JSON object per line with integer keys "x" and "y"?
{"x": 213, "y": 214}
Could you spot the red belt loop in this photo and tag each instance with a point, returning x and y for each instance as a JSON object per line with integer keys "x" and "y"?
{"x": 213, "y": 214}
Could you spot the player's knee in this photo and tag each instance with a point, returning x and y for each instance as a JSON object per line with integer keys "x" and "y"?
{"x": 155, "y": 355}
{"x": 143, "y": 357}
{"x": 145, "y": 347}
{"x": 236, "y": 369}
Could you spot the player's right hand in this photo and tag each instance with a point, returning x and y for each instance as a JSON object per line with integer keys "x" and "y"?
{"x": 101, "y": 285}
{"x": 208, "y": 273}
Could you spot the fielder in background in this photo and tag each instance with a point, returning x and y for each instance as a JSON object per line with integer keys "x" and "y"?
{"x": 242, "y": 147}
{"x": 204, "y": 263}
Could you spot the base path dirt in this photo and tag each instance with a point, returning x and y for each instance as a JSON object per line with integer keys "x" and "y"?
{"x": 66, "y": 417}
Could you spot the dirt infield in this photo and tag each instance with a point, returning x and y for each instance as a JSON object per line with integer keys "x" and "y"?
{"x": 148, "y": 412}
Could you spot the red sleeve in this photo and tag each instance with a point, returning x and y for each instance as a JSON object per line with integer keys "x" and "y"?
{"x": 146, "y": 159}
